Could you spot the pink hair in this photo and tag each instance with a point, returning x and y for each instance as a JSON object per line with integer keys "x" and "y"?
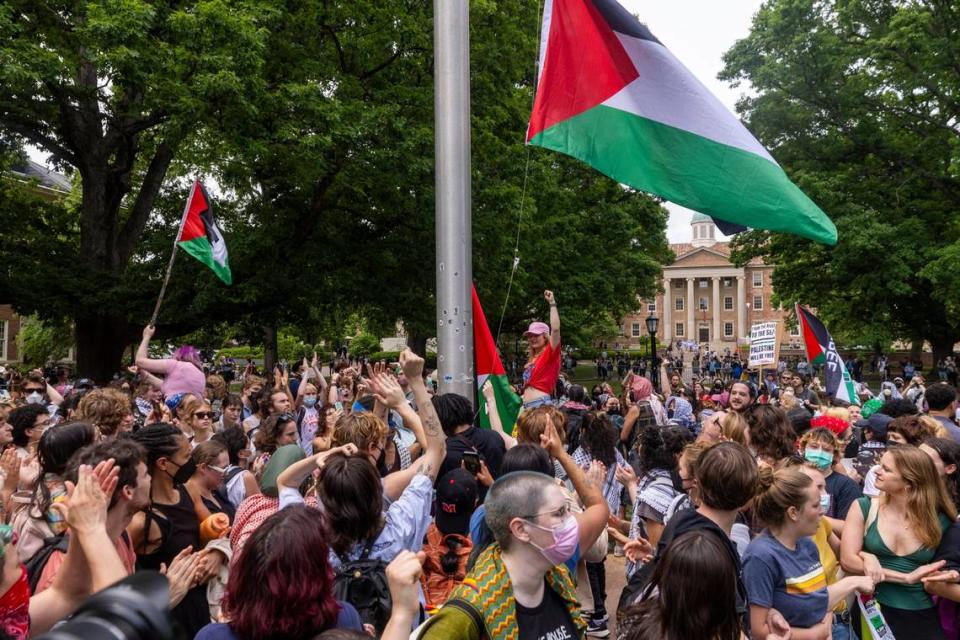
{"x": 188, "y": 353}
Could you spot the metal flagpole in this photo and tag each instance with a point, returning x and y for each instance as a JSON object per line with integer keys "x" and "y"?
{"x": 451, "y": 37}
{"x": 173, "y": 256}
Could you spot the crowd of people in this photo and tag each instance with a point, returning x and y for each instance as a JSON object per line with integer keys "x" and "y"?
{"x": 354, "y": 502}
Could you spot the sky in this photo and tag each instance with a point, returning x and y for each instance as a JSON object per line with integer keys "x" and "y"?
{"x": 697, "y": 32}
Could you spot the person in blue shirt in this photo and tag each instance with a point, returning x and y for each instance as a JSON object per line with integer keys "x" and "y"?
{"x": 781, "y": 567}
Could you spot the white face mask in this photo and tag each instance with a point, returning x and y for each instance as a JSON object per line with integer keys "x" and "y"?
{"x": 35, "y": 398}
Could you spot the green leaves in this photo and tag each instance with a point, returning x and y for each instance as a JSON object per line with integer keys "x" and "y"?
{"x": 857, "y": 101}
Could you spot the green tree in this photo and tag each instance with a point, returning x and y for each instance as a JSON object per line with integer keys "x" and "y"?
{"x": 42, "y": 342}
{"x": 859, "y": 101}
{"x": 112, "y": 90}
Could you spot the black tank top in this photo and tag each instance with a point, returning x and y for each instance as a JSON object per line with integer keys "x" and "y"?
{"x": 179, "y": 529}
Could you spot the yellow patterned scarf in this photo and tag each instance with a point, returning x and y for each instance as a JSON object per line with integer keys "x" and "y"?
{"x": 488, "y": 590}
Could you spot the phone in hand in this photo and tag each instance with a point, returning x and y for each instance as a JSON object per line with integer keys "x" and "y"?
{"x": 339, "y": 406}
{"x": 471, "y": 462}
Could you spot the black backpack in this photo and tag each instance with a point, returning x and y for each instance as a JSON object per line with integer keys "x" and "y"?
{"x": 39, "y": 560}
{"x": 363, "y": 583}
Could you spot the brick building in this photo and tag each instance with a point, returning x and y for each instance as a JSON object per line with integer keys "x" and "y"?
{"x": 705, "y": 298}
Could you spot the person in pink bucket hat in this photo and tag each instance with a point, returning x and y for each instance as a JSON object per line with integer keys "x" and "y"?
{"x": 543, "y": 365}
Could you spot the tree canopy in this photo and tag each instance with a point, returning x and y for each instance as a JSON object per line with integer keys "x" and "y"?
{"x": 315, "y": 120}
{"x": 859, "y": 102}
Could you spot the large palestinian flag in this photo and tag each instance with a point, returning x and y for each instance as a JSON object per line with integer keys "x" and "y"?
{"x": 199, "y": 235}
{"x": 490, "y": 371}
{"x": 821, "y": 350}
{"x": 611, "y": 95}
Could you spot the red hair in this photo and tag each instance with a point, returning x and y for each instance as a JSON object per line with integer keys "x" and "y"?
{"x": 281, "y": 585}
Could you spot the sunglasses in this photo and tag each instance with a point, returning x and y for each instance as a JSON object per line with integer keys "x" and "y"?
{"x": 204, "y": 415}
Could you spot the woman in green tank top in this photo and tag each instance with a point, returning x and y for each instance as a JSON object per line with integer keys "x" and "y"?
{"x": 894, "y": 538}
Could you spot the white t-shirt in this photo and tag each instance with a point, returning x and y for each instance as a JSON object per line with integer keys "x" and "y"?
{"x": 870, "y": 483}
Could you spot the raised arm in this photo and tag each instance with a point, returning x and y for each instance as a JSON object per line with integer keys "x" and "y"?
{"x": 665, "y": 379}
{"x": 495, "y": 423}
{"x": 143, "y": 357}
{"x": 554, "y": 319}
{"x": 436, "y": 439}
{"x": 594, "y": 518}
{"x": 55, "y": 398}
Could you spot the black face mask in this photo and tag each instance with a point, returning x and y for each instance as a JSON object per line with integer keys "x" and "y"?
{"x": 184, "y": 472}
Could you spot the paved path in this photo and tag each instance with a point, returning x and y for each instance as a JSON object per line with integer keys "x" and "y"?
{"x": 616, "y": 579}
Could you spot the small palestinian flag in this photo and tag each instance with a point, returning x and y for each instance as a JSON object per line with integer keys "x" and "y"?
{"x": 490, "y": 371}
{"x": 199, "y": 235}
{"x": 612, "y": 95}
{"x": 821, "y": 350}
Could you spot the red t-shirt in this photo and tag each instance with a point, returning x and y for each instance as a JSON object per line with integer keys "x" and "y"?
{"x": 55, "y": 561}
{"x": 543, "y": 372}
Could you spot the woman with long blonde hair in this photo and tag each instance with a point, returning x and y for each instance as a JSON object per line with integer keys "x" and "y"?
{"x": 893, "y": 539}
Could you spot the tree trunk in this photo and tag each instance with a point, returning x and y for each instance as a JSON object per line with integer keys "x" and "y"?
{"x": 101, "y": 341}
{"x": 269, "y": 348}
{"x": 916, "y": 349}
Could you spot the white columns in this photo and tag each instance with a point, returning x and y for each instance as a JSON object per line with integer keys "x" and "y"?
{"x": 741, "y": 307}
{"x": 691, "y": 328}
{"x": 716, "y": 310}
{"x": 667, "y": 332}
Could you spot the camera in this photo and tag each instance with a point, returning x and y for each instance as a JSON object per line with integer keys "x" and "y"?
{"x": 133, "y": 609}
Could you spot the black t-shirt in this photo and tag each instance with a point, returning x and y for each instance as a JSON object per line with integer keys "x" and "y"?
{"x": 549, "y": 620}
{"x": 949, "y": 548}
{"x": 488, "y": 444}
{"x": 844, "y": 492}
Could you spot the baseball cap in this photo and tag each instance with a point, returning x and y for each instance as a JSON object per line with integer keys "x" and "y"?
{"x": 537, "y": 329}
{"x": 876, "y": 423}
{"x": 456, "y": 501}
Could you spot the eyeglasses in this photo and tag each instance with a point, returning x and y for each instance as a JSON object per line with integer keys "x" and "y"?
{"x": 220, "y": 470}
{"x": 285, "y": 417}
{"x": 560, "y": 513}
{"x": 33, "y": 390}
{"x": 203, "y": 415}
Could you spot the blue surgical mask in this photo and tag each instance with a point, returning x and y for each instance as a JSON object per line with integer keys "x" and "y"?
{"x": 822, "y": 459}
{"x": 825, "y": 502}
{"x": 310, "y": 401}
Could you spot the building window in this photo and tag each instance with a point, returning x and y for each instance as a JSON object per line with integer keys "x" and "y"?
{"x": 621, "y": 329}
{"x": 679, "y": 329}
{"x": 757, "y": 279}
{"x": 703, "y": 304}
{"x": 795, "y": 331}
{"x": 703, "y": 283}
{"x": 727, "y": 282}
{"x": 728, "y": 303}
{"x": 678, "y": 304}
{"x": 3, "y": 339}
{"x": 635, "y": 330}
{"x": 652, "y": 306}
{"x": 758, "y": 303}
{"x": 727, "y": 329}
